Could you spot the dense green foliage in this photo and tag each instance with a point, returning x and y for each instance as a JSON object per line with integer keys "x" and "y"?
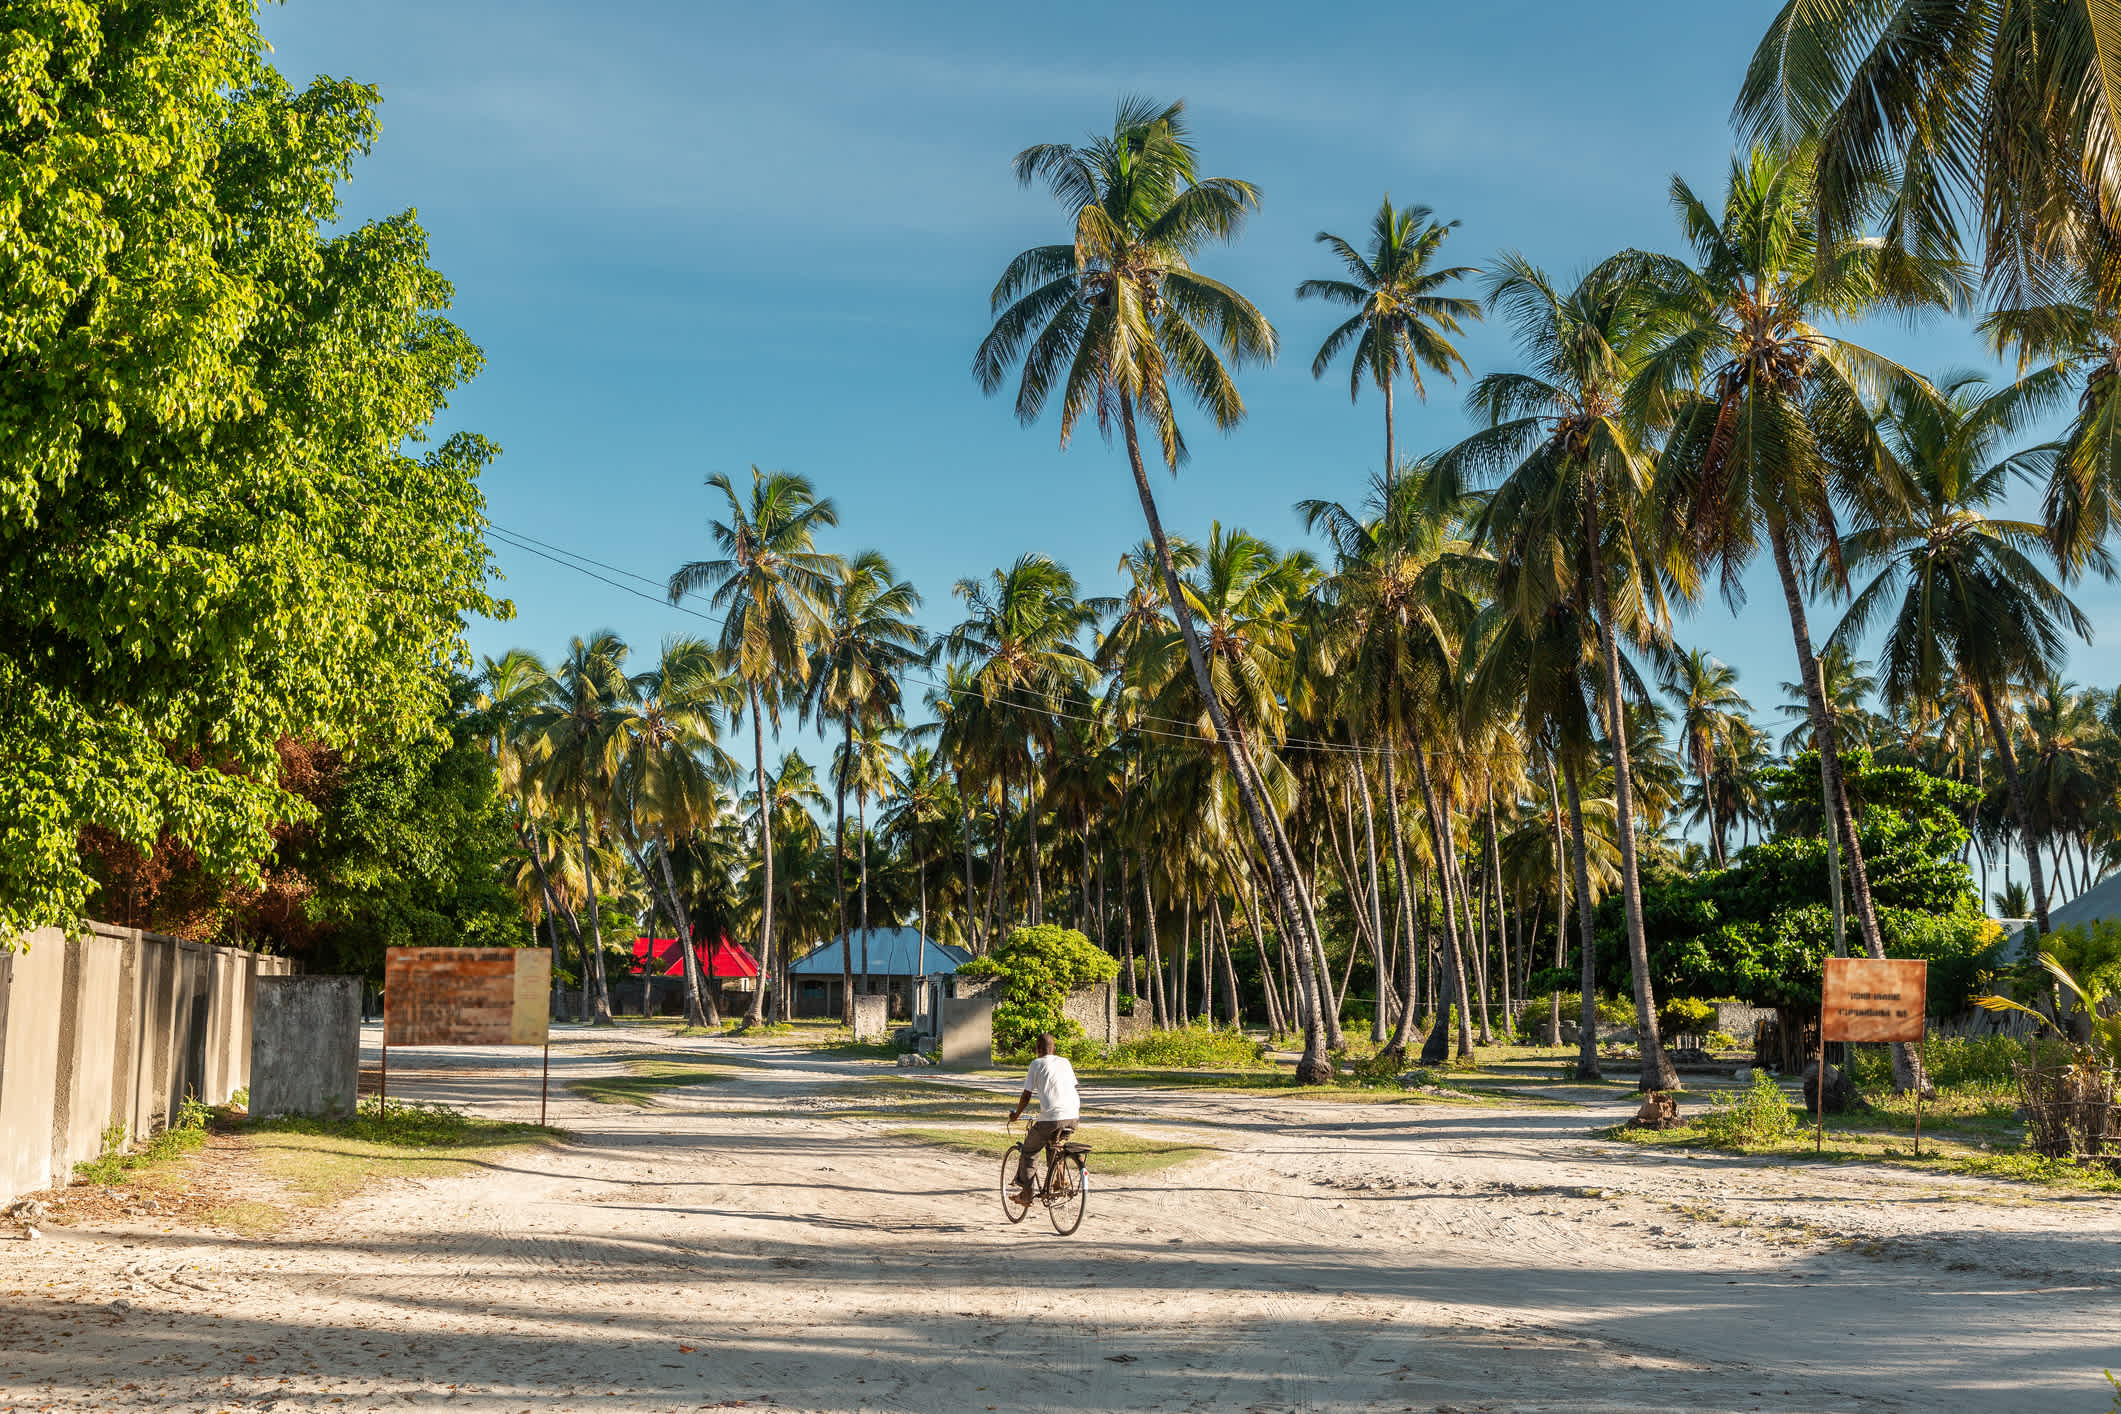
{"x": 410, "y": 851}
{"x": 1038, "y": 967}
{"x": 212, "y": 537}
{"x": 1761, "y": 929}
{"x": 1190, "y": 1047}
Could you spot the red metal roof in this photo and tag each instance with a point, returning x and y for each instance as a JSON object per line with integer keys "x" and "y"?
{"x": 730, "y": 959}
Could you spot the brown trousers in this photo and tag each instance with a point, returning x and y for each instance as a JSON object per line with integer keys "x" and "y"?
{"x": 1036, "y": 1138}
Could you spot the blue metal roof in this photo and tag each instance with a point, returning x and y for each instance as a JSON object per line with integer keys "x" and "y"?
{"x": 892, "y": 953}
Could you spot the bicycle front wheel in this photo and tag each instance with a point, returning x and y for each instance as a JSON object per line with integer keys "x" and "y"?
{"x": 1010, "y": 1209}
{"x": 1067, "y": 1192}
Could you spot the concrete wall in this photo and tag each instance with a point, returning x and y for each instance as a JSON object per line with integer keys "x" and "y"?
{"x": 871, "y": 1017}
{"x": 1096, "y": 1009}
{"x": 116, "y": 1027}
{"x": 968, "y": 1032}
{"x": 305, "y": 1046}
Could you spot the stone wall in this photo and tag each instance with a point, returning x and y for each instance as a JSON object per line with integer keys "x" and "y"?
{"x": 305, "y": 1046}
{"x": 117, "y": 1027}
{"x": 1096, "y": 1009}
{"x": 872, "y": 1017}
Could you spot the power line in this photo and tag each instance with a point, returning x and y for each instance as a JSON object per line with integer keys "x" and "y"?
{"x": 578, "y": 562}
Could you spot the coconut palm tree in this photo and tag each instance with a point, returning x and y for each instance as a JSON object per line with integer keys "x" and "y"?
{"x": 1400, "y": 606}
{"x": 1573, "y": 474}
{"x": 2079, "y": 331}
{"x": 917, "y": 825}
{"x": 671, "y": 780}
{"x": 1402, "y": 320}
{"x": 1021, "y": 643}
{"x": 1769, "y": 415}
{"x": 865, "y": 764}
{"x": 580, "y": 736}
{"x": 2003, "y": 110}
{"x": 1712, "y": 723}
{"x": 1958, "y": 588}
{"x": 869, "y": 641}
{"x": 1117, "y": 315}
{"x": 771, "y": 585}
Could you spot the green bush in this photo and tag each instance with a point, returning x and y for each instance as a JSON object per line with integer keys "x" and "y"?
{"x": 1612, "y": 1011}
{"x": 1685, "y": 1016}
{"x": 1984, "y": 1062}
{"x": 1756, "y": 1117}
{"x": 1192, "y": 1047}
{"x": 1038, "y": 968}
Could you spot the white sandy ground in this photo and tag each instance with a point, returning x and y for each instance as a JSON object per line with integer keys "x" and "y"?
{"x": 1340, "y": 1257}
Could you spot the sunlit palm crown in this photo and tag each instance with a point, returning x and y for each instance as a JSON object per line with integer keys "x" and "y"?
{"x": 1957, "y": 588}
{"x": 771, "y": 584}
{"x": 1401, "y": 319}
{"x": 1928, "y": 110}
{"x": 1119, "y": 310}
{"x": 1769, "y": 412}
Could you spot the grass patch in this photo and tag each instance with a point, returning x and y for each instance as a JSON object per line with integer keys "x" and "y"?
{"x": 120, "y": 1161}
{"x": 1113, "y": 1150}
{"x": 326, "y": 1160}
{"x": 645, "y": 1078}
{"x": 1963, "y": 1133}
{"x": 1190, "y": 1048}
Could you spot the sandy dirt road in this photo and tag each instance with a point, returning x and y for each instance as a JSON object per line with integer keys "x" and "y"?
{"x": 750, "y": 1243}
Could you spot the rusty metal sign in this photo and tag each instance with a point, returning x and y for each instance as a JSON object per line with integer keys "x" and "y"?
{"x": 1873, "y": 999}
{"x": 466, "y": 996}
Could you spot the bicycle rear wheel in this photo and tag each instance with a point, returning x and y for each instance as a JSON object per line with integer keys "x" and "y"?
{"x": 1010, "y": 1160}
{"x": 1067, "y": 1191}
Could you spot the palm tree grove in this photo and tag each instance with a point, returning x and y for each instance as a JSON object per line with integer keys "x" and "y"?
{"x": 1602, "y": 848}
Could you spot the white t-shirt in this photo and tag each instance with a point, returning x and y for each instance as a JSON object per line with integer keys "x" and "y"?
{"x": 1051, "y": 1082}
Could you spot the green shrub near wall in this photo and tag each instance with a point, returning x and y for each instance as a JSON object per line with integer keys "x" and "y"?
{"x": 1038, "y": 967}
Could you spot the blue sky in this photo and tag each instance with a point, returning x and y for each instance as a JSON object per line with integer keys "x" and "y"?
{"x": 691, "y": 237}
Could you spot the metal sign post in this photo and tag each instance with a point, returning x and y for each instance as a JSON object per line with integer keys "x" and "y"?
{"x": 1870, "y": 999}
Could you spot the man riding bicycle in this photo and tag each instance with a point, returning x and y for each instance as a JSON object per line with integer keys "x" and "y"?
{"x": 1051, "y": 1080}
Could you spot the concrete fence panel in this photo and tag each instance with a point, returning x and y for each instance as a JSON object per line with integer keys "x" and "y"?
{"x": 29, "y": 1060}
{"x": 116, "y": 1027}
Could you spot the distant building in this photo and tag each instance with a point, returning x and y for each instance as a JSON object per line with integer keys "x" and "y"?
{"x": 896, "y": 959}
{"x": 729, "y": 968}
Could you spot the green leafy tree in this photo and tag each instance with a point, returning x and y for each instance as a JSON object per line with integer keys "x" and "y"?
{"x": 1038, "y": 967}
{"x": 217, "y": 527}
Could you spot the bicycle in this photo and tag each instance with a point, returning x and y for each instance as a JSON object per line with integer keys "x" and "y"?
{"x": 1065, "y": 1190}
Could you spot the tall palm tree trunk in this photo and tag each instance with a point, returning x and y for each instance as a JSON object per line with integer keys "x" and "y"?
{"x": 1038, "y": 893}
{"x": 1159, "y": 1006}
{"x": 600, "y": 997}
{"x": 1502, "y": 920}
{"x": 1587, "y": 972}
{"x": 2007, "y": 757}
{"x": 1907, "y": 1061}
{"x": 1391, "y": 452}
{"x": 1376, "y": 891}
{"x": 756, "y": 1012}
{"x": 1410, "y": 1004}
{"x": 1561, "y": 902}
{"x": 861, "y": 827}
{"x": 1438, "y": 1046}
{"x": 974, "y": 939}
{"x": 839, "y": 869}
{"x": 1312, "y": 1069}
{"x": 699, "y": 1007}
{"x": 1657, "y": 1072}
